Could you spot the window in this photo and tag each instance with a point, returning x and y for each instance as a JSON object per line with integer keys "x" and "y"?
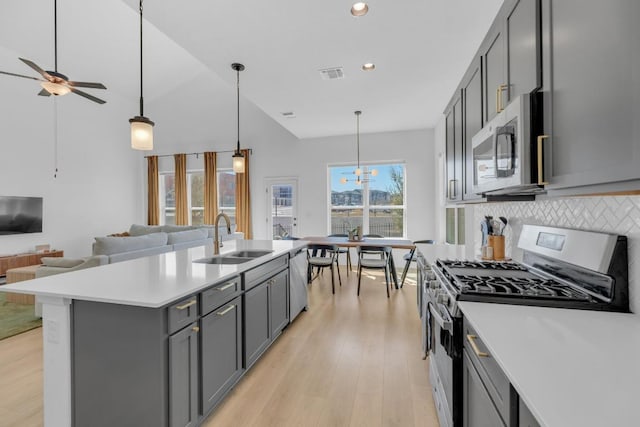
{"x": 377, "y": 205}
{"x": 195, "y": 196}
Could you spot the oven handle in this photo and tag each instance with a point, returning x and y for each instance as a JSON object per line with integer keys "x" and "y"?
{"x": 445, "y": 324}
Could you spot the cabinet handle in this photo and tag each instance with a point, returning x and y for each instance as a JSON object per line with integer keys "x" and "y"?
{"x": 452, "y": 189}
{"x": 541, "y": 180}
{"x": 225, "y": 287}
{"x": 226, "y": 310}
{"x": 189, "y": 304}
{"x": 499, "y": 91}
{"x": 196, "y": 329}
{"x": 472, "y": 341}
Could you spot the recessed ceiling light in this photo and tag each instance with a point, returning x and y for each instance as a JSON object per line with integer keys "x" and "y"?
{"x": 359, "y": 9}
{"x": 369, "y": 66}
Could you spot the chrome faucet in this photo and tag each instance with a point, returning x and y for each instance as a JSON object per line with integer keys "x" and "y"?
{"x": 216, "y": 240}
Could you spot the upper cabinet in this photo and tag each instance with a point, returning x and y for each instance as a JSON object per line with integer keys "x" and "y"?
{"x": 454, "y": 153}
{"x": 582, "y": 57}
{"x": 591, "y": 87}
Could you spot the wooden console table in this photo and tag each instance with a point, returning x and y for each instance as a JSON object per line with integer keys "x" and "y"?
{"x": 18, "y": 275}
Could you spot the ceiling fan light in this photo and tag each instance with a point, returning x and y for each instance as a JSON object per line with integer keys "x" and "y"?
{"x": 55, "y": 88}
{"x": 141, "y": 133}
{"x": 238, "y": 162}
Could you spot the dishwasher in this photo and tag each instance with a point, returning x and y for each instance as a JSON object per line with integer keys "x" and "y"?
{"x": 297, "y": 283}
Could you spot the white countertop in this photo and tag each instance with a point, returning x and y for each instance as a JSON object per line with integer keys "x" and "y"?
{"x": 152, "y": 281}
{"x": 571, "y": 367}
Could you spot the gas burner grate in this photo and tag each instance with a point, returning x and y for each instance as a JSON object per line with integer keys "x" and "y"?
{"x": 484, "y": 265}
{"x": 518, "y": 286}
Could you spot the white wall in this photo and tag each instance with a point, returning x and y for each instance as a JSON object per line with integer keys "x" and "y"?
{"x": 96, "y": 191}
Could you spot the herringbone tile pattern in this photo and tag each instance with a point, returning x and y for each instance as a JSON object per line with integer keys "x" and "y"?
{"x": 620, "y": 215}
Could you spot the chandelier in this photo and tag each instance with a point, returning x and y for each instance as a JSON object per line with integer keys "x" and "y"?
{"x": 360, "y": 176}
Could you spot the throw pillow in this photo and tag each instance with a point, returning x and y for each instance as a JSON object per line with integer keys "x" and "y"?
{"x": 141, "y": 230}
{"x": 187, "y": 236}
{"x": 61, "y": 262}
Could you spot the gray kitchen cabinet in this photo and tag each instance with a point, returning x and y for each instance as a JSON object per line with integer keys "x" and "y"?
{"x": 279, "y": 302}
{"x": 478, "y": 409}
{"x": 472, "y": 122}
{"x": 591, "y": 89}
{"x": 494, "y": 82}
{"x": 183, "y": 377}
{"x": 257, "y": 331}
{"x": 454, "y": 160}
{"x": 525, "y": 417}
{"x": 221, "y": 349}
{"x": 522, "y": 49}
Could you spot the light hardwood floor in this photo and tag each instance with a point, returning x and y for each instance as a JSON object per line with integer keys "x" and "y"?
{"x": 348, "y": 361}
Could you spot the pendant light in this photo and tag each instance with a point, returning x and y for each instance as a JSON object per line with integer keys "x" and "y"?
{"x": 141, "y": 126}
{"x": 238, "y": 158}
{"x": 360, "y": 175}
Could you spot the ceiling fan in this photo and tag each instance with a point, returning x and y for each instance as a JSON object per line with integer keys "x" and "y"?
{"x": 53, "y": 82}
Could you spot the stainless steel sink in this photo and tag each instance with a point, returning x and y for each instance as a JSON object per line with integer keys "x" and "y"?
{"x": 223, "y": 260}
{"x": 250, "y": 253}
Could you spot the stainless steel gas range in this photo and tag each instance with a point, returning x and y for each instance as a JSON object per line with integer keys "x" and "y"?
{"x": 561, "y": 268}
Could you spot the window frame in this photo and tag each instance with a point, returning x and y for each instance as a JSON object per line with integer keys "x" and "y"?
{"x": 366, "y": 206}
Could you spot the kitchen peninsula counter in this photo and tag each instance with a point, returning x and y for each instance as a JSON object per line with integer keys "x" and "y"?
{"x": 140, "y": 342}
{"x": 570, "y": 367}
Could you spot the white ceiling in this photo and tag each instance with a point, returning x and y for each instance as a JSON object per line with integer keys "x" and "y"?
{"x": 421, "y": 48}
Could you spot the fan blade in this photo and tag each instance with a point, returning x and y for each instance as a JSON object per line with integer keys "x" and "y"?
{"x": 20, "y": 75}
{"x": 86, "y": 95}
{"x": 43, "y": 92}
{"x": 87, "y": 84}
{"x": 38, "y": 69}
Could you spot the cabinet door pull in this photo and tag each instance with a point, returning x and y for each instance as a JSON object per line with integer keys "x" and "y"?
{"x": 189, "y": 304}
{"x": 452, "y": 189}
{"x": 196, "y": 329}
{"x": 225, "y": 287}
{"x": 499, "y": 91}
{"x": 472, "y": 341}
{"x": 226, "y": 310}
{"x": 541, "y": 180}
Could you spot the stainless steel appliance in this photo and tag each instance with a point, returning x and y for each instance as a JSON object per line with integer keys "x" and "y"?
{"x": 561, "y": 268}
{"x": 504, "y": 159}
{"x": 297, "y": 283}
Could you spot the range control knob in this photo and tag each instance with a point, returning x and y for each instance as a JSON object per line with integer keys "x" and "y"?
{"x": 434, "y": 284}
{"x": 443, "y": 298}
{"x": 431, "y": 275}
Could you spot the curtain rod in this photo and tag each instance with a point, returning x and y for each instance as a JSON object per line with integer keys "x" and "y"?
{"x": 197, "y": 154}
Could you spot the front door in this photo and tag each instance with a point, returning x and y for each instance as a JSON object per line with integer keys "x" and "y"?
{"x": 282, "y": 196}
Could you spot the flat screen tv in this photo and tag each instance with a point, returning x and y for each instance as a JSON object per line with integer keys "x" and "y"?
{"x": 20, "y": 215}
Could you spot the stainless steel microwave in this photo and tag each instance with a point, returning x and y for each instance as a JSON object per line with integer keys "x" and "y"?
{"x": 502, "y": 151}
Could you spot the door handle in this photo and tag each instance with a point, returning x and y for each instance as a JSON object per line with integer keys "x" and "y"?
{"x": 226, "y": 310}
{"x": 446, "y": 325}
{"x": 189, "y": 304}
{"x": 452, "y": 189}
{"x": 472, "y": 341}
{"x": 225, "y": 287}
{"x": 541, "y": 180}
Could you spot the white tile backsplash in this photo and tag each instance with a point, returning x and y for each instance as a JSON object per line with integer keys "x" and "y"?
{"x": 618, "y": 215}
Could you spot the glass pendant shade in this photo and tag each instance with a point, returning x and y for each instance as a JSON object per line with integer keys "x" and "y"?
{"x": 55, "y": 88}
{"x": 238, "y": 162}
{"x": 374, "y": 172}
{"x": 141, "y": 133}
{"x": 343, "y": 180}
{"x": 358, "y": 172}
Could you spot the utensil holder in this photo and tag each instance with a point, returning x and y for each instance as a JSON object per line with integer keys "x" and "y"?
{"x": 497, "y": 243}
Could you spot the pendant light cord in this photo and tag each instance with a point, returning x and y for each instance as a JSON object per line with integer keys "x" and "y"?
{"x": 238, "y": 104}
{"x": 358, "y": 136}
{"x": 55, "y": 34}
{"x": 141, "y": 98}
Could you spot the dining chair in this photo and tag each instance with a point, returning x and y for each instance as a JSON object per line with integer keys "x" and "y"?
{"x": 411, "y": 257}
{"x": 343, "y": 251}
{"x": 374, "y": 263}
{"x": 374, "y": 252}
{"x": 320, "y": 257}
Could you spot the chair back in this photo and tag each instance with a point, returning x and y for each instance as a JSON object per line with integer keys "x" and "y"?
{"x": 314, "y": 249}
{"x": 383, "y": 250}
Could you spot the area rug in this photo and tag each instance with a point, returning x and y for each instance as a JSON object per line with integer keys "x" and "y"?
{"x": 16, "y": 318}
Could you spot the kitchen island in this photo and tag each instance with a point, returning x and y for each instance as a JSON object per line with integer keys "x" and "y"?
{"x": 158, "y": 340}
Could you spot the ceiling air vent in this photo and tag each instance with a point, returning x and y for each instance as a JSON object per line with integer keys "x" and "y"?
{"x": 332, "y": 73}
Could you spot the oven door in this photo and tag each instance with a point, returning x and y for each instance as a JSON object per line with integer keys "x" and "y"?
{"x": 441, "y": 361}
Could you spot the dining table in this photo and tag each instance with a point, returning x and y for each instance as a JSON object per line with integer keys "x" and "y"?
{"x": 344, "y": 242}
